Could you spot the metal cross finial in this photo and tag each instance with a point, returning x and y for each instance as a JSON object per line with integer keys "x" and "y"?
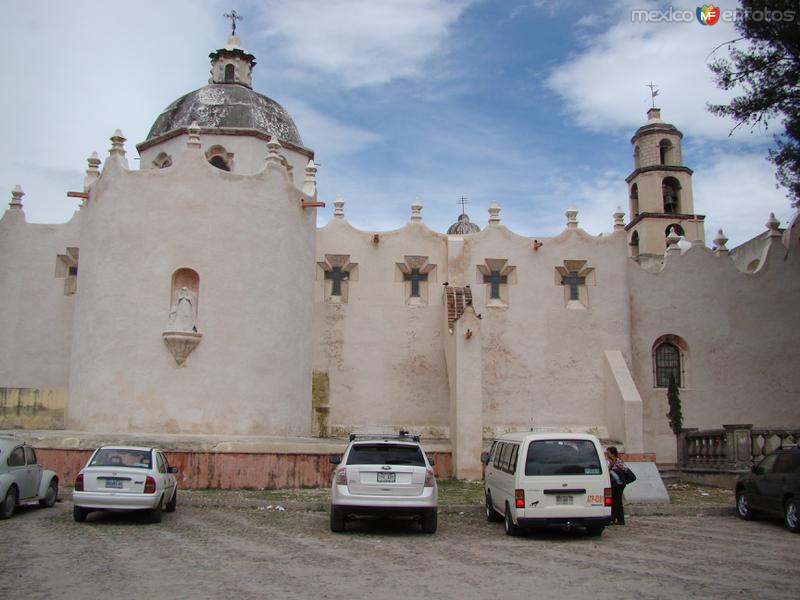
{"x": 653, "y": 92}
{"x": 233, "y": 17}
{"x": 462, "y": 200}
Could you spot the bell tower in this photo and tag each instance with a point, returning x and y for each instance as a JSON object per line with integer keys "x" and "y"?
{"x": 659, "y": 190}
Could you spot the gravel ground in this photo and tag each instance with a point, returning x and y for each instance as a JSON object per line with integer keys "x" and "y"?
{"x": 231, "y": 545}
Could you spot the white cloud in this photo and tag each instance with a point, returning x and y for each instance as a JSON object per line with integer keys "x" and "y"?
{"x": 604, "y": 84}
{"x": 328, "y": 137}
{"x": 359, "y": 43}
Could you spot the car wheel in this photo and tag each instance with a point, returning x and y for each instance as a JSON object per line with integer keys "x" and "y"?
{"x": 489, "y": 512}
{"x": 430, "y": 521}
{"x": 337, "y": 520}
{"x": 791, "y": 515}
{"x": 595, "y": 530}
{"x": 743, "y": 506}
{"x": 173, "y": 502}
{"x": 154, "y": 515}
{"x": 51, "y": 496}
{"x": 79, "y": 514}
{"x": 9, "y": 503}
{"x": 510, "y": 527}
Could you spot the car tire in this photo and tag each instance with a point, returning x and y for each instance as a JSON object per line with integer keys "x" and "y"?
{"x": 51, "y": 496}
{"x": 791, "y": 515}
{"x": 595, "y": 530}
{"x": 9, "y": 503}
{"x": 173, "y": 502}
{"x": 79, "y": 514}
{"x": 154, "y": 514}
{"x": 337, "y": 520}
{"x": 489, "y": 512}
{"x": 743, "y": 506}
{"x": 430, "y": 521}
{"x": 508, "y": 523}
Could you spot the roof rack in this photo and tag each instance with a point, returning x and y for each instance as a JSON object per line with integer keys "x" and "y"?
{"x": 402, "y": 435}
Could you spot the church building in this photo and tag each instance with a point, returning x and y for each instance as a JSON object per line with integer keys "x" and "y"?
{"x": 196, "y": 296}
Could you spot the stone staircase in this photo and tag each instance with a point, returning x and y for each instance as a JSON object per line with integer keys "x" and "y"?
{"x": 669, "y": 473}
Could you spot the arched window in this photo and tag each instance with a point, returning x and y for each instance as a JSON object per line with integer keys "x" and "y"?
{"x": 670, "y": 190}
{"x": 665, "y": 150}
{"x": 229, "y": 73}
{"x": 219, "y": 157}
{"x": 162, "y": 161}
{"x": 677, "y": 227}
{"x": 220, "y": 163}
{"x": 669, "y": 358}
{"x": 636, "y": 158}
{"x": 635, "y": 199}
{"x": 634, "y": 244}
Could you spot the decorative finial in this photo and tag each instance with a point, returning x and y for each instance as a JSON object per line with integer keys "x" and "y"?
{"x": 774, "y": 226}
{"x": 233, "y": 17}
{"x": 719, "y": 243}
{"x": 338, "y": 207}
{"x": 619, "y": 222}
{"x": 16, "y": 198}
{"x": 310, "y": 182}
{"x": 416, "y": 211}
{"x": 117, "y": 144}
{"x": 572, "y": 217}
{"x": 273, "y": 150}
{"x": 194, "y": 135}
{"x": 92, "y": 172}
{"x": 494, "y": 214}
{"x": 672, "y": 241}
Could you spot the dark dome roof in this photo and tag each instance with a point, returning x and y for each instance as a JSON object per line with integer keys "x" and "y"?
{"x": 463, "y": 226}
{"x": 227, "y": 105}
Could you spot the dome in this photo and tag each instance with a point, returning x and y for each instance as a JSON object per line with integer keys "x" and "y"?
{"x": 463, "y": 226}
{"x": 221, "y": 105}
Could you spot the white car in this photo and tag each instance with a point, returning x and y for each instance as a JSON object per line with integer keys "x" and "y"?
{"x": 126, "y": 478}
{"x": 384, "y": 475}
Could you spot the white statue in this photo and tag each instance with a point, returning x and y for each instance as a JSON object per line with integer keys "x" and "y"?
{"x": 182, "y": 315}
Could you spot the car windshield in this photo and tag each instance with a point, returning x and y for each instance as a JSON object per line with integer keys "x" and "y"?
{"x": 562, "y": 457}
{"x": 385, "y": 454}
{"x": 121, "y": 457}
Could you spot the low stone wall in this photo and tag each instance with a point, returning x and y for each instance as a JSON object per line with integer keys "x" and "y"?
{"x": 231, "y": 470}
{"x": 32, "y": 408}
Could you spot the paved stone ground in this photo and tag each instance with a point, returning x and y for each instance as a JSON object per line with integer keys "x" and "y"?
{"x": 241, "y": 549}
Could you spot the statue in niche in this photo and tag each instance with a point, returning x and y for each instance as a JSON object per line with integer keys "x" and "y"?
{"x": 182, "y": 315}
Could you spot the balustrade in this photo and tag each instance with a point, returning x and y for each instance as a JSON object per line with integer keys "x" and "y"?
{"x": 733, "y": 448}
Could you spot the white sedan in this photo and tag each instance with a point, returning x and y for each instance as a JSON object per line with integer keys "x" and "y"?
{"x": 123, "y": 479}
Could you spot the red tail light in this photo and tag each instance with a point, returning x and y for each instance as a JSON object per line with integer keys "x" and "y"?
{"x": 519, "y": 498}
{"x": 79, "y": 483}
{"x": 150, "y": 485}
{"x": 607, "y": 497}
{"x": 341, "y": 476}
{"x": 430, "y": 480}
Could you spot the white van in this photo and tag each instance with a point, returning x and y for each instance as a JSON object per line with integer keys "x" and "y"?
{"x": 547, "y": 479}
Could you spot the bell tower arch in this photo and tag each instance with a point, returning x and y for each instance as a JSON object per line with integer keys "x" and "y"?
{"x": 659, "y": 188}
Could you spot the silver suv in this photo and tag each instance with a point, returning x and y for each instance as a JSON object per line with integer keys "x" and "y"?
{"x": 384, "y": 475}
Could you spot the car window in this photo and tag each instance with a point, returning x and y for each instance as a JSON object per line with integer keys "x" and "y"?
{"x": 498, "y": 453}
{"x": 767, "y": 465}
{"x": 30, "y": 455}
{"x": 121, "y": 457}
{"x": 512, "y": 459}
{"x": 788, "y": 463}
{"x": 562, "y": 457}
{"x": 385, "y": 454}
{"x": 17, "y": 457}
{"x": 160, "y": 460}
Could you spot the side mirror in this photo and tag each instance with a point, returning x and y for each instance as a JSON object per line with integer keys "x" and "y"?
{"x": 431, "y": 461}
{"x": 172, "y": 469}
{"x": 485, "y": 458}
{"x": 335, "y": 460}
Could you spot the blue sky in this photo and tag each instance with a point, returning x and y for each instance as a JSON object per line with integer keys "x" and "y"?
{"x": 530, "y": 104}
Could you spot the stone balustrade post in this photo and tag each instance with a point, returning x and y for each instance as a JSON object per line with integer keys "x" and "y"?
{"x": 685, "y": 444}
{"x": 739, "y": 450}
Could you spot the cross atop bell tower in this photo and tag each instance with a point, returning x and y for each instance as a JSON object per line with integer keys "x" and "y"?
{"x": 232, "y": 64}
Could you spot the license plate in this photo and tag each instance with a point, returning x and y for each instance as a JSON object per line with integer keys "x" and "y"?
{"x": 386, "y": 477}
{"x": 114, "y": 483}
{"x": 563, "y": 500}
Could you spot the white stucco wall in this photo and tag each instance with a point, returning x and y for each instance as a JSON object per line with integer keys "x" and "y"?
{"x": 35, "y": 315}
{"x": 251, "y": 244}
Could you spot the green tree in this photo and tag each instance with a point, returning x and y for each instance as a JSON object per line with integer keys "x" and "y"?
{"x": 674, "y": 397}
{"x": 768, "y": 71}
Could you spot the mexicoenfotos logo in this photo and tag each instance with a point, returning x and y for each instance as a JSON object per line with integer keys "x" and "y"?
{"x": 708, "y": 14}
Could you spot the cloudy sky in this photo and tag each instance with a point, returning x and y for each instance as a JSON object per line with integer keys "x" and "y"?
{"x": 527, "y": 103}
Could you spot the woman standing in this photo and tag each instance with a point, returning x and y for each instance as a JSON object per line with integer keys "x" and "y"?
{"x": 616, "y": 470}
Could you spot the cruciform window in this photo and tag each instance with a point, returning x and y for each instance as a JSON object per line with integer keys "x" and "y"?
{"x": 574, "y": 276}
{"x": 497, "y": 274}
{"x": 415, "y": 273}
{"x": 337, "y": 272}
{"x": 67, "y": 268}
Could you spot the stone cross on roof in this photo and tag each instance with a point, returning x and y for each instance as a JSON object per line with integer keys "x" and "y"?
{"x": 462, "y": 200}
{"x": 653, "y": 92}
{"x": 233, "y": 17}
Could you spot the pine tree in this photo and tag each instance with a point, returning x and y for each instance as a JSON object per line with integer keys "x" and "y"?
{"x": 673, "y": 396}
